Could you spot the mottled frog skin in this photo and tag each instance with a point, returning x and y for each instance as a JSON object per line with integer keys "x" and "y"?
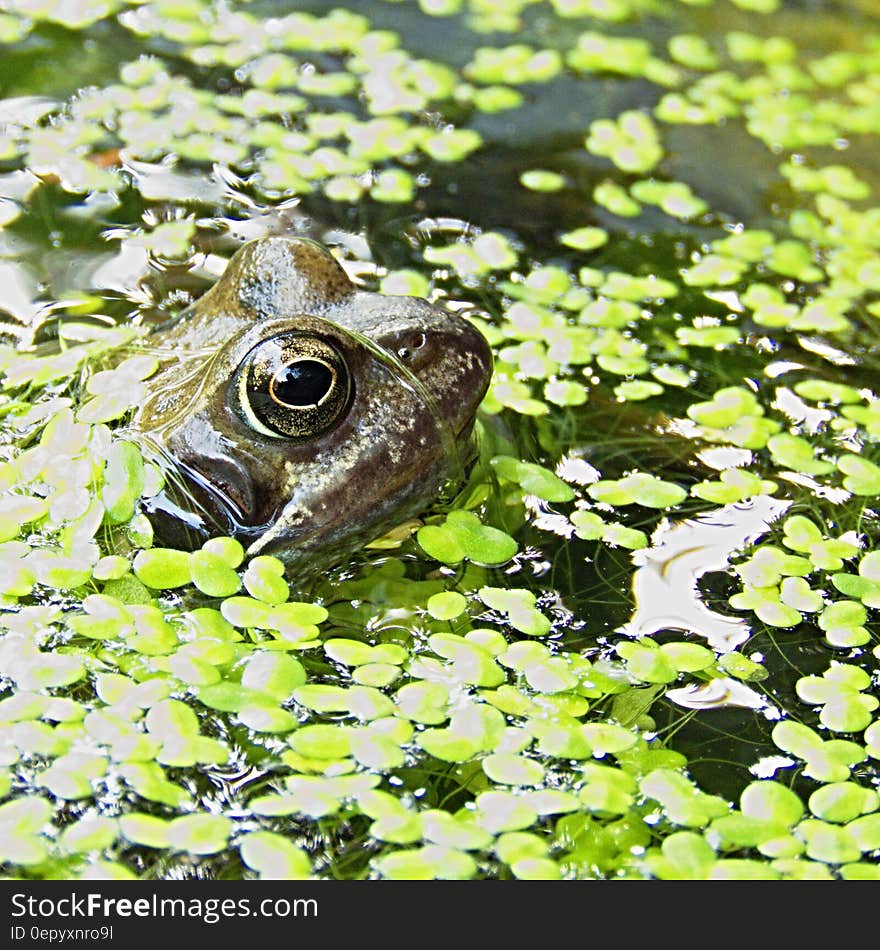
{"x": 304, "y": 416}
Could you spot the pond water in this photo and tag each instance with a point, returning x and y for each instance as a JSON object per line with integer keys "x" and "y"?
{"x": 639, "y": 640}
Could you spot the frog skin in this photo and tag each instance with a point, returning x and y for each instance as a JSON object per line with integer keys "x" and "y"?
{"x": 304, "y": 416}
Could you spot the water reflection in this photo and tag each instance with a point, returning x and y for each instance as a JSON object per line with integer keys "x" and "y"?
{"x": 718, "y": 692}
{"x": 664, "y": 584}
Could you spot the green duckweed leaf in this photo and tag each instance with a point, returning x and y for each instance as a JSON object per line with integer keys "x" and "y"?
{"x": 734, "y": 484}
{"x": 462, "y": 536}
{"x": 274, "y": 857}
{"x": 427, "y": 863}
{"x": 471, "y": 663}
{"x": 675, "y": 198}
{"x": 163, "y": 568}
{"x": 199, "y": 833}
{"x": 683, "y": 803}
{"x": 264, "y": 580}
{"x": 639, "y": 488}
{"x": 862, "y": 477}
{"x": 151, "y": 831}
{"x": 276, "y": 674}
{"x": 519, "y": 606}
{"x": 798, "y": 454}
{"x": 89, "y": 834}
{"x": 542, "y": 180}
{"x": 424, "y": 702}
{"x": 841, "y": 802}
{"x": 123, "y": 481}
{"x": 647, "y": 663}
{"x": 533, "y": 479}
{"x": 693, "y": 51}
{"x": 684, "y": 855}
{"x": 826, "y": 761}
{"x": 447, "y": 605}
{"x": 584, "y": 239}
{"x": 828, "y": 843}
{"x": 839, "y": 691}
{"x": 321, "y": 741}
{"x": 149, "y": 781}
{"x": 510, "y": 769}
{"x": 212, "y": 575}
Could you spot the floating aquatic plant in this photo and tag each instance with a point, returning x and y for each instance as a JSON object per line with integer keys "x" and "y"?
{"x": 473, "y": 644}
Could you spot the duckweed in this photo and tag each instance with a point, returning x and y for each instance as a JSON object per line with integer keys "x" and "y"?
{"x": 485, "y": 642}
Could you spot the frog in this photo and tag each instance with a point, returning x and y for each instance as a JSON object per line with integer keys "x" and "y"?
{"x": 303, "y": 415}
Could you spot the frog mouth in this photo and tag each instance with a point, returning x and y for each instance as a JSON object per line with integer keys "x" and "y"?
{"x": 228, "y": 487}
{"x": 206, "y": 495}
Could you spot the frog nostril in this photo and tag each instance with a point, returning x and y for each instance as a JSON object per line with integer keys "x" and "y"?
{"x": 413, "y": 343}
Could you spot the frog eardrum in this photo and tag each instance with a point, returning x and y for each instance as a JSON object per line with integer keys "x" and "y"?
{"x": 304, "y": 416}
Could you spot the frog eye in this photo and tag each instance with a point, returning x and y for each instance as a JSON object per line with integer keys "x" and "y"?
{"x": 292, "y": 386}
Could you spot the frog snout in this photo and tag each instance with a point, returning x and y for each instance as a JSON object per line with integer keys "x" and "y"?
{"x": 225, "y": 481}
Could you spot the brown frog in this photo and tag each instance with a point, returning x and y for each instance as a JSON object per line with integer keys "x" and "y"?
{"x": 304, "y": 416}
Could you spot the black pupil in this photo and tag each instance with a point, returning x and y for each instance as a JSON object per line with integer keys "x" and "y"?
{"x": 303, "y": 383}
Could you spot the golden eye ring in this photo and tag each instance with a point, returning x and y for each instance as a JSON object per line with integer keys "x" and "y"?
{"x": 292, "y": 386}
{"x": 307, "y": 374}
